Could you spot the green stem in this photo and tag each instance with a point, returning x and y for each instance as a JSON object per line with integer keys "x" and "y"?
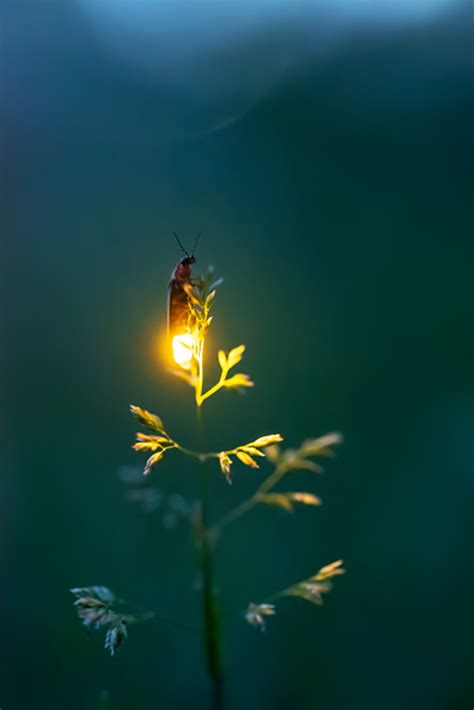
{"x": 210, "y": 601}
{"x": 250, "y": 503}
{"x": 212, "y": 626}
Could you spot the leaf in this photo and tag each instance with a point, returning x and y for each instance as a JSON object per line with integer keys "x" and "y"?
{"x": 329, "y": 571}
{"x": 152, "y": 461}
{"x": 147, "y": 419}
{"x": 103, "y": 594}
{"x": 221, "y": 356}
{"x": 246, "y": 459}
{"x": 239, "y": 380}
{"x": 216, "y": 283}
{"x": 279, "y": 500}
{"x": 252, "y": 450}
{"x": 256, "y": 613}
{"x": 151, "y": 437}
{"x": 145, "y": 446}
{"x": 235, "y": 355}
{"x": 210, "y": 297}
{"x": 321, "y": 446}
{"x": 148, "y": 442}
{"x": 93, "y": 606}
{"x": 225, "y": 463}
{"x": 115, "y": 636}
{"x": 311, "y": 589}
{"x": 286, "y": 500}
{"x": 266, "y": 440}
{"x": 305, "y": 498}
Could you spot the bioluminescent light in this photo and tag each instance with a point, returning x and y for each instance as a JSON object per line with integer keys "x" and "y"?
{"x": 182, "y": 341}
{"x": 182, "y": 346}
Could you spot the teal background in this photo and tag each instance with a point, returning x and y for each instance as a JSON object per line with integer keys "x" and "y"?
{"x": 331, "y": 177}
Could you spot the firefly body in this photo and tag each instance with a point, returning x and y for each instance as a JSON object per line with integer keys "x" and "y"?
{"x": 178, "y": 303}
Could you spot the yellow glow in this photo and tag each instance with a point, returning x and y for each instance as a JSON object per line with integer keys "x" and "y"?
{"x": 183, "y": 350}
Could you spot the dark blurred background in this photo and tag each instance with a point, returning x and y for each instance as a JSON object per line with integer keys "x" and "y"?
{"x": 325, "y": 152}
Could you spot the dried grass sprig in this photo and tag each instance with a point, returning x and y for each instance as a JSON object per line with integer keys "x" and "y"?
{"x": 98, "y": 608}
{"x": 310, "y": 589}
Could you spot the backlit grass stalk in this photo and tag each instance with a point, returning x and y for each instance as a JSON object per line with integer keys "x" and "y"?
{"x": 99, "y": 608}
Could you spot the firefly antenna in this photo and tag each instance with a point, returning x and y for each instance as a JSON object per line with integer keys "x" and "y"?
{"x": 179, "y": 242}
{"x": 195, "y": 243}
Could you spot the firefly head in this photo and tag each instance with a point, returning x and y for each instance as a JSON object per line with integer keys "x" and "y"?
{"x": 187, "y": 260}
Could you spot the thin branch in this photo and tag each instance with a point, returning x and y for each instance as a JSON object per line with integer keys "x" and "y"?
{"x": 251, "y": 502}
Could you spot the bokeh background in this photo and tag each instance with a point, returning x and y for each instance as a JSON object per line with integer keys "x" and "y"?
{"x": 325, "y": 152}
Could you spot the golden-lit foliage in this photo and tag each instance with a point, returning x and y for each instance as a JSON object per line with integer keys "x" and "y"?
{"x": 311, "y": 590}
{"x": 146, "y": 419}
{"x": 225, "y": 463}
{"x": 287, "y": 500}
{"x": 284, "y": 461}
{"x": 298, "y": 459}
{"x": 188, "y": 348}
{"x": 246, "y": 453}
{"x": 329, "y": 571}
{"x": 158, "y": 444}
{"x": 148, "y": 442}
{"x": 97, "y": 607}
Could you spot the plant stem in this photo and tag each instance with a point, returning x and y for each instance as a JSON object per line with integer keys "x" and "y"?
{"x": 248, "y": 504}
{"x": 212, "y": 627}
{"x": 210, "y": 601}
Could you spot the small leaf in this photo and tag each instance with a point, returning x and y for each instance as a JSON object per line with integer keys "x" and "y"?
{"x": 152, "y": 437}
{"x": 279, "y": 500}
{"x": 115, "y": 636}
{"x": 216, "y": 283}
{"x": 98, "y": 592}
{"x": 252, "y": 450}
{"x": 256, "y": 613}
{"x": 305, "y": 498}
{"x": 321, "y": 446}
{"x": 246, "y": 459}
{"x": 311, "y": 589}
{"x": 93, "y": 606}
{"x": 239, "y": 380}
{"x": 221, "y": 356}
{"x": 235, "y": 355}
{"x": 146, "y": 446}
{"x": 285, "y": 500}
{"x": 329, "y": 571}
{"x": 210, "y": 297}
{"x": 152, "y": 461}
{"x": 266, "y": 440}
{"x": 225, "y": 463}
{"x": 149, "y": 420}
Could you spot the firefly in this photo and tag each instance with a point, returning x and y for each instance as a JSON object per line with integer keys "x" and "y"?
{"x": 178, "y": 308}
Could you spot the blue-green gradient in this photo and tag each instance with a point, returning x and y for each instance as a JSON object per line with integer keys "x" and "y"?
{"x": 331, "y": 178}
